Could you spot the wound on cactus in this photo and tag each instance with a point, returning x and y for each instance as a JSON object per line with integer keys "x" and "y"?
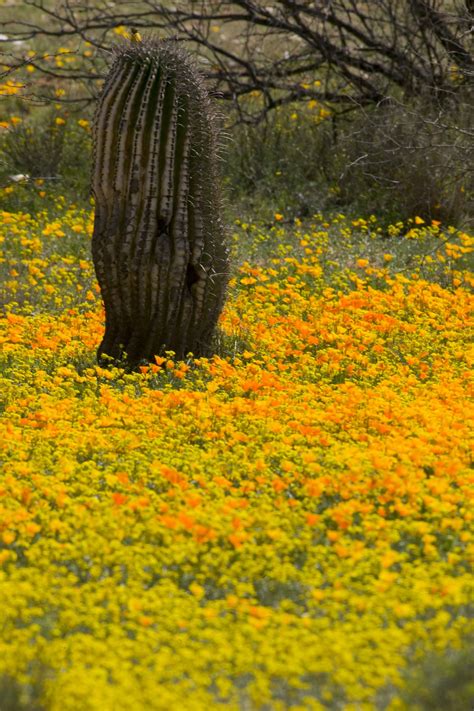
{"x": 158, "y": 245}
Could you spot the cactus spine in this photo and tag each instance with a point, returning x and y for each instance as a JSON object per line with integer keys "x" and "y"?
{"x": 158, "y": 244}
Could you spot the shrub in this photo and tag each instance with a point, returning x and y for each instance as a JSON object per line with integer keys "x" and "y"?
{"x": 44, "y": 151}
{"x": 34, "y": 146}
{"x": 18, "y": 697}
{"x": 406, "y": 160}
{"x": 286, "y": 158}
{"x": 445, "y": 683}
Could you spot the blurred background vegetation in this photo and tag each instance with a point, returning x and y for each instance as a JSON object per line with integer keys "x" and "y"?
{"x": 361, "y": 107}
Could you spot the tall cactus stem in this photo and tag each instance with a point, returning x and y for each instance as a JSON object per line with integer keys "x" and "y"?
{"x": 158, "y": 244}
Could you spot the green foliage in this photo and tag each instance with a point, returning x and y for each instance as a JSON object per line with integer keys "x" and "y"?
{"x": 18, "y": 697}
{"x": 34, "y": 146}
{"x": 44, "y": 154}
{"x": 444, "y": 683}
{"x": 75, "y": 168}
{"x": 286, "y": 159}
{"x": 394, "y": 160}
{"x": 409, "y": 159}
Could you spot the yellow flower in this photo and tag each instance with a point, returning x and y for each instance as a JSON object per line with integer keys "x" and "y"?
{"x": 122, "y": 31}
{"x": 135, "y": 36}
{"x": 252, "y": 510}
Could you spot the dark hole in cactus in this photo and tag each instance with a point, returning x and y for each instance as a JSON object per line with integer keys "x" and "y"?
{"x": 191, "y": 276}
{"x": 162, "y": 226}
{"x": 157, "y": 206}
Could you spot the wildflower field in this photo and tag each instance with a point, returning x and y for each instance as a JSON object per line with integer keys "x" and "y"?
{"x": 285, "y": 525}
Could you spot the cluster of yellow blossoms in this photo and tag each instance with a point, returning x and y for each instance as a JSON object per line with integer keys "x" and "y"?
{"x": 286, "y": 525}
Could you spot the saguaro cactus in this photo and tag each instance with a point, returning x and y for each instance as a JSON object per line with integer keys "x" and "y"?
{"x": 158, "y": 244}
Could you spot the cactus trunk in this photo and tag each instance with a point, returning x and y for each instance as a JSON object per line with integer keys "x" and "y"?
{"x": 158, "y": 244}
